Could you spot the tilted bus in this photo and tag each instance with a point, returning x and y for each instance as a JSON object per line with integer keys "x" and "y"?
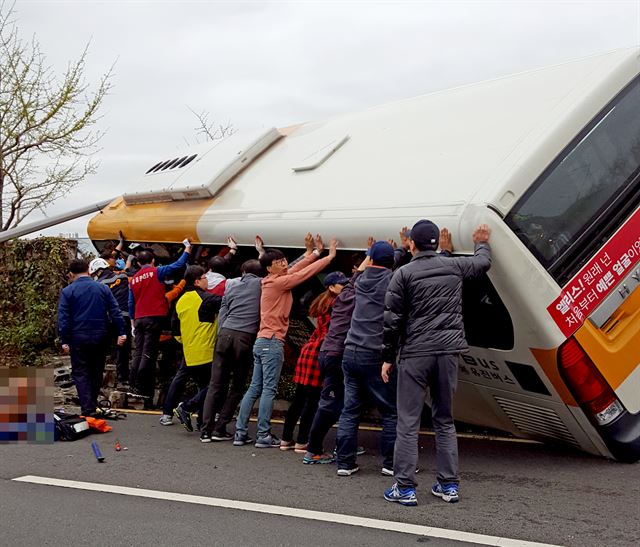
{"x": 549, "y": 158}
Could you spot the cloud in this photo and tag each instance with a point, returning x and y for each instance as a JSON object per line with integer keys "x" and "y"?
{"x": 279, "y": 63}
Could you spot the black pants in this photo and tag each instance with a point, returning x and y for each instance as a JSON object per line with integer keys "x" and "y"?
{"x": 303, "y": 406}
{"x": 88, "y": 355}
{"x": 201, "y": 375}
{"x": 123, "y": 353}
{"x": 143, "y": 368}
{"x": 232, "y": 361}
{"x": 331, "y": 400}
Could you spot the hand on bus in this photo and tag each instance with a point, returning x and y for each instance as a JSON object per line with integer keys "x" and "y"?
{"x": 333, "y": 247}
{"x": 319, "y": 243}
{"x": 386, "y": 371}
{"x": 370, "y": 241}
{"x": 308, "y": 243}
{"x": 122, "y": 339}
{"x": 404, "y": 237}
{"x": 482, "y": 234}
{"x": 120, "y": 244}
{"x": 231, "y": 243}
{"x": 259, "y": 246}
{"x": 366, "y": 262}
{"x": 445, "y": 242}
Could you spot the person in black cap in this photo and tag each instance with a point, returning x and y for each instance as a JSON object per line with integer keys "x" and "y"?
{"x": 307, "y": 375}
{"x": 362, "y": 361}
{"x": 423, "y": 328}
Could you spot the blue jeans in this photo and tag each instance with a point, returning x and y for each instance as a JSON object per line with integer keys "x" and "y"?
{"x": 331, "y": 400}
{"x": 268, "y": 356}
{"x": 362, "y": 382}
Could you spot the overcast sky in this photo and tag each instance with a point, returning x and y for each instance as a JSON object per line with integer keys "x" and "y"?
{"x": 262, "y": 64}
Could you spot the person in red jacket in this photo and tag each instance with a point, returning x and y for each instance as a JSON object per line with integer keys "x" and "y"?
{"x": 148, "y": 307}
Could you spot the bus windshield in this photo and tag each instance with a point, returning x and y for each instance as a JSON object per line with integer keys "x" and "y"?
{"x": 587, "y": 192}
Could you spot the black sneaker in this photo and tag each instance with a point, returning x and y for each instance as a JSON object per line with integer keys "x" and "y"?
{"x": 221, "y": 436}
{"x": 184, "y": 417}
{"x": 205, "y": 437}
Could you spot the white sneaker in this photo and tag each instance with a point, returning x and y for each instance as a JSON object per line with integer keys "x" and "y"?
{"x": 348, "y": 472}
{"x": 389, "y": 472}
{"x": 166, "y": 419}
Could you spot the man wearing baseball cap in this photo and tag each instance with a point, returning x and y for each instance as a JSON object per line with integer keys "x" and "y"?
{"x": 423, "y": 338}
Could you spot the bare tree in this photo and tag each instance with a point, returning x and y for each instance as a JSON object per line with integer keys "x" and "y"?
{"x": 210, "y": 131}
{"x": 47, "y": 138}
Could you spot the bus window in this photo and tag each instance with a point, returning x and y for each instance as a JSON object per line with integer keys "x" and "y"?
{"x": 487, "y": 323}
{"x": 588, "y": 191}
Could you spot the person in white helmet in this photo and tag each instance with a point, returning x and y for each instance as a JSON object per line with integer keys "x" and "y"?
{"x": 118, "y": 283}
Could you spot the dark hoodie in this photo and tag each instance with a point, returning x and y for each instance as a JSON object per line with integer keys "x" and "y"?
{"x": 367, "y": 320}
{"x": 341, "y": 318}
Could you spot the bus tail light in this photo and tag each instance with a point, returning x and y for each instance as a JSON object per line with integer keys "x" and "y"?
{"x": 587, "y": 385}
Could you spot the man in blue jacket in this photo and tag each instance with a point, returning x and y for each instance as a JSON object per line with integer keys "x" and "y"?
{"x": 86, "y": 311}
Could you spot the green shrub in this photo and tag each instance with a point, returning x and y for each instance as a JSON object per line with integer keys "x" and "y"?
{"x": 32, "y": 274}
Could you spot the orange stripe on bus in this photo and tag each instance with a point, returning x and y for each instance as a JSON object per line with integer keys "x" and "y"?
{"x": 548, "y": 360}
{"x": 169, "y": 222}
{"x": 615, "y": 348}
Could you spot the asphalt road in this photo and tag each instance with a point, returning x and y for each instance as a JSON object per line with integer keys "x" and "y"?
{"x": 509, "y": 489}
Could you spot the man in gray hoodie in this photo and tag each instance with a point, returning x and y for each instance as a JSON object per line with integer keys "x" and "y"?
{"x": 362, "y": 362}
{"x": 238, "y": 323}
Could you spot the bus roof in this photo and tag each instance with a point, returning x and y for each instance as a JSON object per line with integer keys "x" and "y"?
{"x": 433, "y": 155}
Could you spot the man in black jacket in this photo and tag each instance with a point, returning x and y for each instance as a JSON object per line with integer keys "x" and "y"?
{"x": 423, "y": 327}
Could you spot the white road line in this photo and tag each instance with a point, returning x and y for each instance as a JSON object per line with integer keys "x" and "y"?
{"x": 337, "y": 518}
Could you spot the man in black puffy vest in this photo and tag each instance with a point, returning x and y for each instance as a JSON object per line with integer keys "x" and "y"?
{"x": 423, "y": 328}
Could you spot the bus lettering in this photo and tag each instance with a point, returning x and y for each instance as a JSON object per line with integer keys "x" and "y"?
{"x": 600, "y": 275}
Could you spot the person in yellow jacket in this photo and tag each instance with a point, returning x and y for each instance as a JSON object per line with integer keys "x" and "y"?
{"x": 194, "y": 324}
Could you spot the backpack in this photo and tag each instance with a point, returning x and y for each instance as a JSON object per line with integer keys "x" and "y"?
{"x": 69, "y": 427}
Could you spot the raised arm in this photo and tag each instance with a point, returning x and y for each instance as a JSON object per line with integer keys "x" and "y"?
{"x": 164, "y": 271}
{"x": 171, "y": 295}
{"x": 445, "y": 242}
{"x": 293, "y": 279}
{"x": 480, "y": 262}
{"x": 233, "y": 249}
{"x": 310, "y": 253}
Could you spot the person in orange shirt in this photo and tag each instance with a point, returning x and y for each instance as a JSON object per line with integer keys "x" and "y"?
{"x": 268, "y": 350}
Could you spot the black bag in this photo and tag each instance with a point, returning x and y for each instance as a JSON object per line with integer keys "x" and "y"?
{"x": 69, "y": 427}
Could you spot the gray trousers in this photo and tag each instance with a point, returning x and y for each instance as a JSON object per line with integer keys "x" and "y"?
{"x": 440, "y": 374}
